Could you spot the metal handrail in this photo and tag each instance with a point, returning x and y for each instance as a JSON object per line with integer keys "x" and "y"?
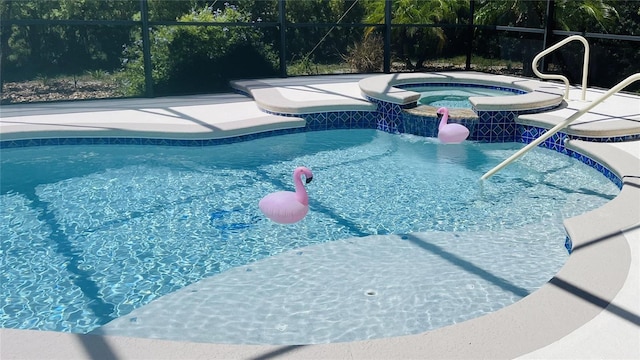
{"x": 585, "y": 65}
{"x": 624, "y": 83}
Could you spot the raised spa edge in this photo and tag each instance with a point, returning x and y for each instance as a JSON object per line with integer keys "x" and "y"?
{"x": 537, "y": 93}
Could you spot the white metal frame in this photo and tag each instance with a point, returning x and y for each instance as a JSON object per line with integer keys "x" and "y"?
{"x": 621, "y": 85}
{"x": 585, "y": 65}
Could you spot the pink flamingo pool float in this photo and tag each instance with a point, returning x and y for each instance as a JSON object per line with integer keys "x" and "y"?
{"x": 288, "y": 207}
{"x": 450, "y": 133}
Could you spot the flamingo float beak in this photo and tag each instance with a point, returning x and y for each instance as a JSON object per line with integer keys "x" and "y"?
{"x": 439, "y": 116}
{"x": 308, "y": 180}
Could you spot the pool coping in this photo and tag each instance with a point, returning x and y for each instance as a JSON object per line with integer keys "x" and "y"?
{"x": 580, "y": 291}
{"x": 271, "y": 95}
{"x": 593, "y": 124}
{"x": 170, "y": 118}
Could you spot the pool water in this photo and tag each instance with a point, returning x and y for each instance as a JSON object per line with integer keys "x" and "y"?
{"x": 91, "y": 234}
{"x": 455, "y": 96}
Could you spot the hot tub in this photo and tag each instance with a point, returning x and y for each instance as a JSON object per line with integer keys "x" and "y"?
{"x": 491, "y": 118}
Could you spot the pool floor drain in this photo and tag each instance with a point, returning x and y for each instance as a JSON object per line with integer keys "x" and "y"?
{"x": 370, "y": 293}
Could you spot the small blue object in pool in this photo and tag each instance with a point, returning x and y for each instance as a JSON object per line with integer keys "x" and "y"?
{"x": 230, "y": 220}
{"x": 216, "y": 215}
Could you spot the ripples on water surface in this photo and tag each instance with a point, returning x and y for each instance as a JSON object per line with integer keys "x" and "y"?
{"x": 456, "y": 97}
{"x": 90, "y": 233}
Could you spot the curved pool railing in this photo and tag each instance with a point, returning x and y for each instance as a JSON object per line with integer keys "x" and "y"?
{"x": 624, "y": 83}
{"x": 585, "y": 65}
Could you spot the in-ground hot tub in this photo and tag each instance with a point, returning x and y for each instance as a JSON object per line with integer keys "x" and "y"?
{"x": 490, "y": 119}
{"x": 454, "y": 96}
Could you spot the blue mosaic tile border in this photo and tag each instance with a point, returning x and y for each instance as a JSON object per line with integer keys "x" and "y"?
{"x": 500, "y": 126}
{"x": 315, "y": 121}
{"x": 428, "y": 126}
{"x": 495, "y": 126}
{"x": 557, "y": 142}
{"x": 389, "y": 115}
{"x": 491, "y": 126}
{"x": 334, "y": 120}
{"x": 596, "y": 165}
{"x": 462, "y": 85}
{"x": 8, "y": 144}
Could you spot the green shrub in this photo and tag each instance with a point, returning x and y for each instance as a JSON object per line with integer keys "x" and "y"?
{"x": 366, "y": 56}
{"x": 98, "y": 75}
{"x": 197, "y": 59}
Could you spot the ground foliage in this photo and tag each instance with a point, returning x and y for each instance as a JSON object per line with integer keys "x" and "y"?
{"x": 45, "y": 61}
{"x": 57, "y": 90}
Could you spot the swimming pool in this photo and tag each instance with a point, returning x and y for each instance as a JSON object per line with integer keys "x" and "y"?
{"x": 93, "y": 233}
{"x": 456, "y": 97}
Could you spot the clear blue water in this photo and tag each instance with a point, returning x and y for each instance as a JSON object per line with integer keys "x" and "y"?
{"x": 454, "y": 96}
{"x": 91, "y": 233}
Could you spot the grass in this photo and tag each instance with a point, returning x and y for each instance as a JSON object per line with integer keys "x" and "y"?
{"x": 307, "y": 67}
{"x": 302, "y": 67}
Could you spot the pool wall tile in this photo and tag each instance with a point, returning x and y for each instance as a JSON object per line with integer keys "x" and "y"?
{"x": 428, "y": 126}
{"x": 495, "y": 126}
{"x": 333, "y": 120}
{"x": 420, "y": 125}
{"x": 491, "y": 126}
{"x": 594, "y": 164}
{"x": 462, "y": 85}
{"x": 557, "y": 142}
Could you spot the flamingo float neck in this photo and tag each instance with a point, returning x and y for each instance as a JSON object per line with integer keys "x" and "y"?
{"x": 445, "y": 117}
{"x": 301, "y": 192}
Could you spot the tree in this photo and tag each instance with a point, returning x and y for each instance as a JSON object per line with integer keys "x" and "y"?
{"x": 585, "y": 15}
{"x": 51, "y": 49}
{"x": 520, "y": 13}
{"x": 199, "y": 58}
{"x": 322, "y": 43}
{"x": 417, "y": 42}
{"x": 574, "y": 15}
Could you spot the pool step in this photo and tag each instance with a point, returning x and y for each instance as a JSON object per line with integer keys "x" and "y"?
{"x": 593, "y": 124}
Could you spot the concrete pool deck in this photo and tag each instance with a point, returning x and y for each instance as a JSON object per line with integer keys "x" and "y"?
{"x": 590, "y": 309}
